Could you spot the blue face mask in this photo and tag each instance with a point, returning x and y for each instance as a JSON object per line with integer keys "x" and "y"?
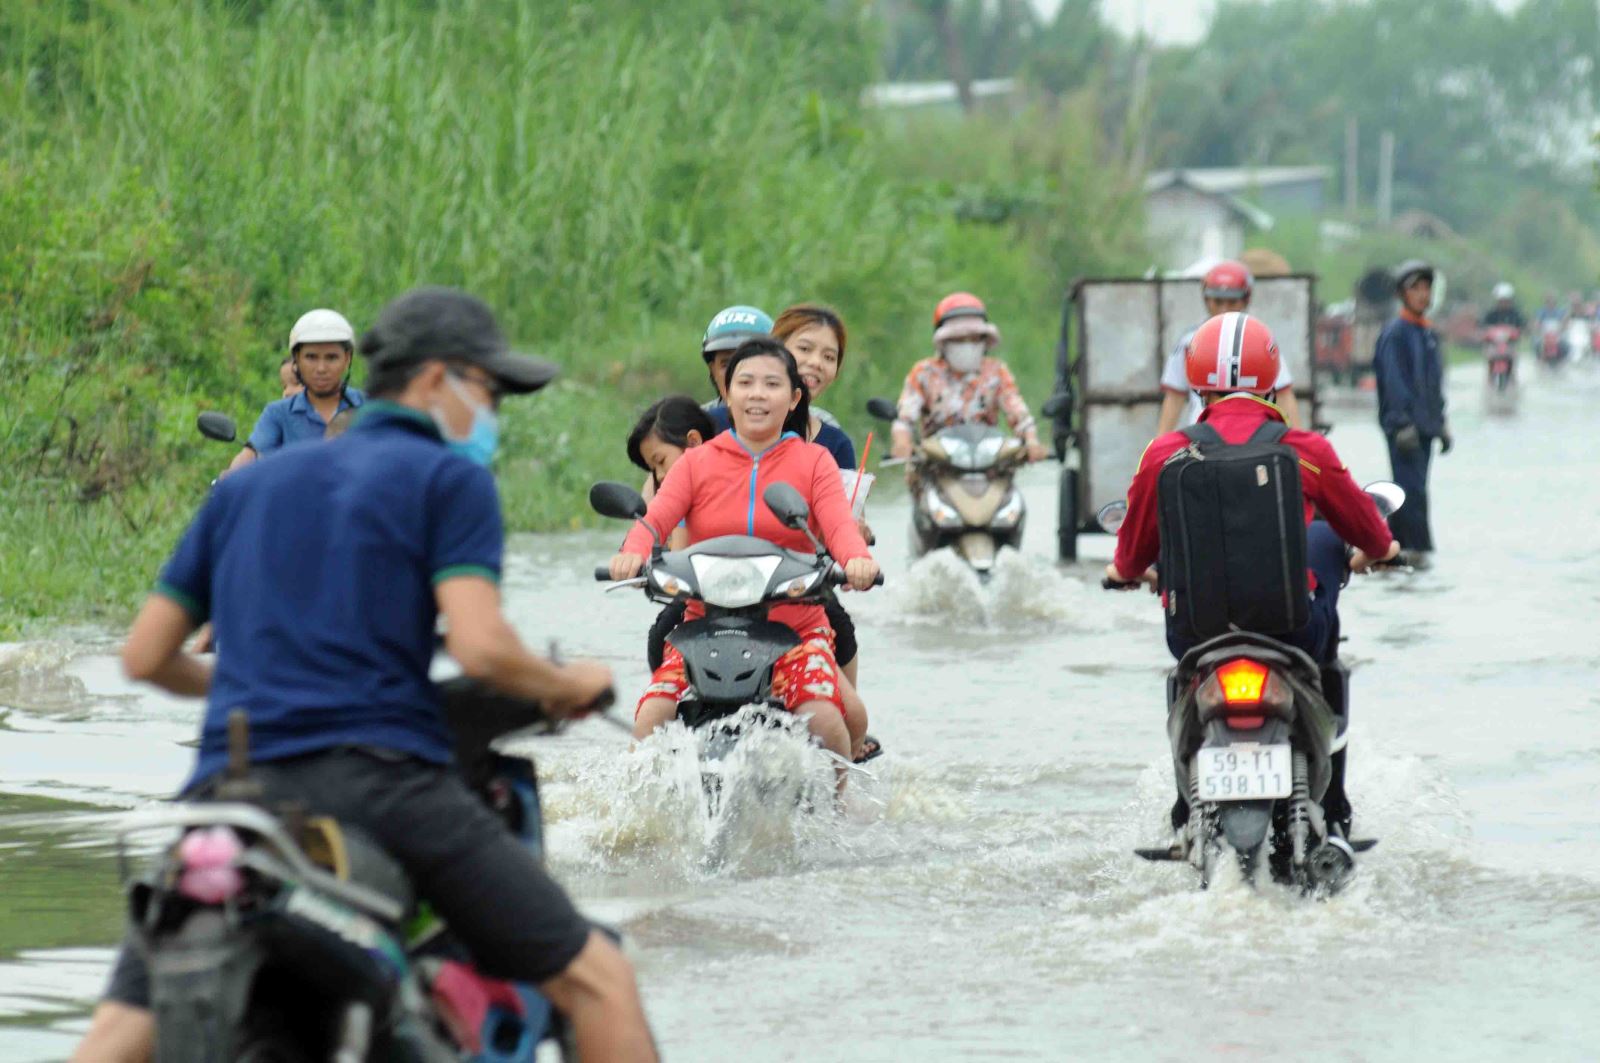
{"x": 482, "y": 440}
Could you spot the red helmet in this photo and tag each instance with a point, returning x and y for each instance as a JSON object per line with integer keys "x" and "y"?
{"x": 1227, "y": 280}
{"x": 958, "y": 304}
{"x": 1233, "y": 352}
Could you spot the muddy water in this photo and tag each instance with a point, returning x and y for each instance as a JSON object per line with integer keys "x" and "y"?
{"x": 978, "y": 899}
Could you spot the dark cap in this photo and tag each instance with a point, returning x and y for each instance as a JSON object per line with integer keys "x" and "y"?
{"x": 449, "y": 325}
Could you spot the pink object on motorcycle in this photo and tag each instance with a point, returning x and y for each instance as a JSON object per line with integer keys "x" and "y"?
{"x": 210, "y": 872}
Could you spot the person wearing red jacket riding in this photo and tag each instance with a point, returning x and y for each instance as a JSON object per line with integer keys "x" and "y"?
{"x": 716, "y": 489}
{"x": 1233, "y": 362}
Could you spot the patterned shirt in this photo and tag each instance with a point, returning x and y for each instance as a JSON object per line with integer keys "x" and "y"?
{"x": 936, "y": 397}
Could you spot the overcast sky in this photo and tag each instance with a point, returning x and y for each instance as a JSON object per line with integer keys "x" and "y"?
{"x": 1169, "y": 21}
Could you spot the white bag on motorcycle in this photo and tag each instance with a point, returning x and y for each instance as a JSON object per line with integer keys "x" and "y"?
{"x": 1233, "y": 535}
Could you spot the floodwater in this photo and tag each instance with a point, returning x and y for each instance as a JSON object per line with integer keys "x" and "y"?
{"x": 978, "y": 899}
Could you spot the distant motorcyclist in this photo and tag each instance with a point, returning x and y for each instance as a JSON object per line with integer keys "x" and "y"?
{"x": 1504, "y": 311}
{"x": 342, "y": 714}
{"x": 1549, "y": 312}
{"x": 1226, "y": 287}
{"x": 1411, "y": 404}
{"x": 1233, "y": 362}
{"x": 963, "y": 383}
{"x": 321, "y": 347}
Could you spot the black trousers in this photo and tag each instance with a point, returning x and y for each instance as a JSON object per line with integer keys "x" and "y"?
{"x": 496, "y": 898}
{"x": 1410, "y": 525}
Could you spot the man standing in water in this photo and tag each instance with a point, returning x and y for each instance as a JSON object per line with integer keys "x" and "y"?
{"x": 1410, "y": 376}
{"x": 342, "y": 715}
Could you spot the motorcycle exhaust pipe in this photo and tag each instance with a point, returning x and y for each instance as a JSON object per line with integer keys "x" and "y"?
{"x": 1331, "y": 866}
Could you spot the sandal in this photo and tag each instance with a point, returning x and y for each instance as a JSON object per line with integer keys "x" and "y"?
{"x": 870, "y": 748}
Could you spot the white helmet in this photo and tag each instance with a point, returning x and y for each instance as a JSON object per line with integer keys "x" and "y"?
{"x": 321, "y": 326}
{"x": 1503, "y": 291}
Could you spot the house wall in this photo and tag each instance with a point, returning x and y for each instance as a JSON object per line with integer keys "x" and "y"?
{"x": 1184, "y": 225}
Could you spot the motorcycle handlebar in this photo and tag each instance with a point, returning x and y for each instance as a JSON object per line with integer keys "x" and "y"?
{"x": 602, "y": 573}
{"x": 837, "y": 578}
{"x": 1109, "y": 584}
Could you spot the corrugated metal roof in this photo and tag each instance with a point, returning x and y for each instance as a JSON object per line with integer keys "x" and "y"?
{"x": 1234, "y": 179}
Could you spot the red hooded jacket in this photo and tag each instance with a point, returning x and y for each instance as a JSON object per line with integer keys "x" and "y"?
{"x": 1324, "y": 481}
{"x": 716, "y": 488}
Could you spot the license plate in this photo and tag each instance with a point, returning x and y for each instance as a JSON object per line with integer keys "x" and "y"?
{"x": 1244, "y": 772}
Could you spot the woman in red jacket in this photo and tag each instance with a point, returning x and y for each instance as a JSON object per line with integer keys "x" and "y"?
{"x": 716, "y": 488}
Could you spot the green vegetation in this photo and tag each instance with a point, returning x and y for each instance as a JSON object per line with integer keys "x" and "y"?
{"x": 179, "y": 179}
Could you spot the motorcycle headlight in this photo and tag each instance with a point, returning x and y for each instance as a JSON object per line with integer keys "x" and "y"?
{"x": 1010, "y": 513}
{"x": 986, "y": 451}
{"x": 800, "y": 585}
{"x": 667, "y": 583}
{"x": 943, "y": 513}
{"x": 733, "y": 582}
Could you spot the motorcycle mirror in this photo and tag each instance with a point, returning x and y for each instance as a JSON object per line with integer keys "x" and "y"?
{"x": 218, "y": 426}
{"x": 618, "y": 501}
{"x": 1387, "y": 496}
{"x": 882, "y": 409}
{"x": 1111, "y": 516}
{"x": 1055, "y": 406}
{"x": 786, "y": 504}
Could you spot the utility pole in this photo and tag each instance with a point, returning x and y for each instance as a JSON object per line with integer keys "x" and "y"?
{"x": 1386, "y": 178}
{"x": 1352, "y": 176}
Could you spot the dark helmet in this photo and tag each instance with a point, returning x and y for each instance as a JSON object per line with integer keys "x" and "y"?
{"x": 1409, "y": 270}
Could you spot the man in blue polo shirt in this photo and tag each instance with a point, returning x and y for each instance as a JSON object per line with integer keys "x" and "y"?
{"x": 321, "y": 346}
{"x": 335, "y": 675}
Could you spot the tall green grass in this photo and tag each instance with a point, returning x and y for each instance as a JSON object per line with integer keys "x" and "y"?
{"x": 179, "y": 179}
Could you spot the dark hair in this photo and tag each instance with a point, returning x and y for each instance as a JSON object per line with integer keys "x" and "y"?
{"x": 386, "y": 380}
{"x": 804, "y": 315}
{"x": 670, "y": 420}
{"x": 799, "y": 419}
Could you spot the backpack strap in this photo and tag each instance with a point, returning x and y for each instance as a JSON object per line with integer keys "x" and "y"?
{"x": 1271, "y": 431}
{"x": 1200, "y": 432}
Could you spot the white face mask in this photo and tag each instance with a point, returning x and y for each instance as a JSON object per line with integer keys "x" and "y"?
{"x": 964, "y": 356}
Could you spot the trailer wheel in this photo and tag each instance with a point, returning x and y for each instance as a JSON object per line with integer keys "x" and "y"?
{"x": 1067, "y": 520}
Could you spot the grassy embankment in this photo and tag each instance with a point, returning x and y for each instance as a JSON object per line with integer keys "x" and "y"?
{"x": 179, "y": 180}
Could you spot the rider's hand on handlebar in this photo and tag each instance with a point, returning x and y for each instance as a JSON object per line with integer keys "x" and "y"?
{"x": 582, "y": 684}
{"x": 1360, "y": 562}
{"x": 1149, "y": 577}
{"x": 1037, "y": 451}
{"x": 626, "y": 566}
{"x": 862, "y": 573}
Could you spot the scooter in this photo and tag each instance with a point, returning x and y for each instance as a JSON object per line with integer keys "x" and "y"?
{"x": 729, "y": 653}
{"x": 1255, "y": 727}
{"x": 1500, "y": 352}
{"x": 274, "y": 935}
{"x": 963, "y": 493}
{"x": 1551, "y": 349}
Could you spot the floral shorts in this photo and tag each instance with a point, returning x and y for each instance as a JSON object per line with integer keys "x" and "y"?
{"x": 806, "y": 673}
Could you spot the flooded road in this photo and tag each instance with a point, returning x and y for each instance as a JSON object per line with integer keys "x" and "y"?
{"x": 979, "y": 899}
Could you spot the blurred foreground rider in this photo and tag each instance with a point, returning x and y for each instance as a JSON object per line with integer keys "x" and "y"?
{"x": 1232, "y": 362}
{"x": 1410, "y": 376}
{"x": 321, "y": 347}
{"x": 342, "y": 714}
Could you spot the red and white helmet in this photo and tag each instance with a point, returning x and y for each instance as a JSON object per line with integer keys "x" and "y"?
{"x": 1227, "y": 280}
{"x": 1233, "y": 352}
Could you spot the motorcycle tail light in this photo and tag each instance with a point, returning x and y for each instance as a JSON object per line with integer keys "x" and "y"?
{"x": 209, "y": 857}
{"x": 1242, "y": 681}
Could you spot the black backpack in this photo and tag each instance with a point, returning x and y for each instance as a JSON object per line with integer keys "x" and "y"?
{"x": 1233, "y": 535}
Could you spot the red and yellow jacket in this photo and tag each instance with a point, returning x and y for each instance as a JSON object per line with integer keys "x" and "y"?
{"x": 1324, "y": 481}
{"x": 716, "y": 488}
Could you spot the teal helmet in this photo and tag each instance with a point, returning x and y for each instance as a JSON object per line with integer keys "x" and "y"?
{"x": 732, "y": 327}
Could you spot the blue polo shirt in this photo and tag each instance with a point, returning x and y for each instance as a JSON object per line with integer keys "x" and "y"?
{"x": 295, "y": 420}
{"x": 317, "y": 571}
{"x": 830, "y": 436}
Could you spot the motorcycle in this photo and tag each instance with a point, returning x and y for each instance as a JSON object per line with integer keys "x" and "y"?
{"x": 1576, "y": 339}
{"x": 1254, "y": 725}
{"x": 1500, "y": 352}
{"x": 273, "y": 935}
{"x": 963, "y": 493}
{"x": 729, "y": 653}
{"x": 1551, "y": 346}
